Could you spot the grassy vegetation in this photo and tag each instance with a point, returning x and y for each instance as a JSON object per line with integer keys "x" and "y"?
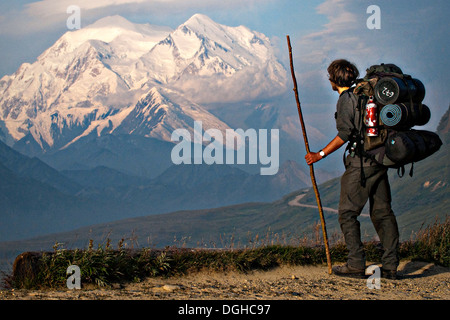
{"x": 104, "y": 265}
{"x": 432, "y": 244}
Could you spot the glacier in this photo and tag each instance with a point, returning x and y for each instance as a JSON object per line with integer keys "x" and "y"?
{"x": 115, "y": 76}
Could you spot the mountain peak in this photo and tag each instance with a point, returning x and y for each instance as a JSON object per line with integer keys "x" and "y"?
{"x": 112, "y": 21}
{"x": 199, "y": 18}
{"x": 90, "y": 79}
{"x": 114, "y": 27}
{"x": 202, "y": 24}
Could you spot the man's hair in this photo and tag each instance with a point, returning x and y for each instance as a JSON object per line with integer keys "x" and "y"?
{"x": 343, "y": 73}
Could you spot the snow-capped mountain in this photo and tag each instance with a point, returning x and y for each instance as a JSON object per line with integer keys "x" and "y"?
{"x": 210, "y": 62}
{"x": 115, "y": 76}
{"x": 155, "y": 115}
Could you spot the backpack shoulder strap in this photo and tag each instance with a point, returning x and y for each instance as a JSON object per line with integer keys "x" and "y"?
{"x": 359, "y": 134}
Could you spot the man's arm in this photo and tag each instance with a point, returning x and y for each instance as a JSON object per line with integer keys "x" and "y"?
{"x": 335, "y": 144}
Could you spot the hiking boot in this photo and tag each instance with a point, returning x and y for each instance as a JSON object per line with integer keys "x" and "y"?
{"x": 348, "y": 271}
{"x": 389, "y": 274}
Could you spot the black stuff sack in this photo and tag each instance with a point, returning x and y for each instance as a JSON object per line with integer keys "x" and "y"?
{"x": 411, "y": 146}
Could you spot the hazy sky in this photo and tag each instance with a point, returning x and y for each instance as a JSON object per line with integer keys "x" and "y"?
{"x": 413, "y": 34}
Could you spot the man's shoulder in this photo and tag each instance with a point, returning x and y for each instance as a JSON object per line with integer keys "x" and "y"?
{"x": 347, "y": 97}
{"x": 348, "y": 93}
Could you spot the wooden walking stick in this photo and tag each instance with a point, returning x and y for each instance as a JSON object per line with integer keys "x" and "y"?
{"x": 311, "y": 168}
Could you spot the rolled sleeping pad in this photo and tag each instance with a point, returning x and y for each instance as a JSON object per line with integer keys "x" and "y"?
{"x": 403, "y": 115}
{"x": 389, "y": 90}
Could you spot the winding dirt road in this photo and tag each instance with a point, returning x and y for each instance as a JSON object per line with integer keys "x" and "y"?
{"x": 296, "y": 203}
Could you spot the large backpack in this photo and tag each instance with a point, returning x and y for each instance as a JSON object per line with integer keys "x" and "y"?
{"x": 399, "y": 98}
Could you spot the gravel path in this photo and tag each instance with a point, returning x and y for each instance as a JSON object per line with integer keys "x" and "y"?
{"x": 419, "y": 280}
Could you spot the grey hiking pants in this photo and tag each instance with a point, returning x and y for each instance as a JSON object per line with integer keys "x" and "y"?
{"x": 352, "y": 200}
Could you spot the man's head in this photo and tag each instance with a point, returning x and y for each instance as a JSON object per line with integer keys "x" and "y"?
{"x": 342, "y": 73}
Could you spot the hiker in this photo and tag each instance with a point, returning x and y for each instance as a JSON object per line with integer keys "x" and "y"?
{"x": 354, "y": 194}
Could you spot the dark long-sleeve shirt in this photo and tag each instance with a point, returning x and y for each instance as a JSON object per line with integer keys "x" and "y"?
{"x": 348, "y": 118}
{"x": 346, "y": 115}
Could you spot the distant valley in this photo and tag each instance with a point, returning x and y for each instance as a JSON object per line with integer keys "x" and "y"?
{"x": 418, "y": 201}
{"x": 85, "y": 144}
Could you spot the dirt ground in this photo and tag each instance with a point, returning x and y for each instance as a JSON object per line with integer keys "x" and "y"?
{"x": 417, "y": 281}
